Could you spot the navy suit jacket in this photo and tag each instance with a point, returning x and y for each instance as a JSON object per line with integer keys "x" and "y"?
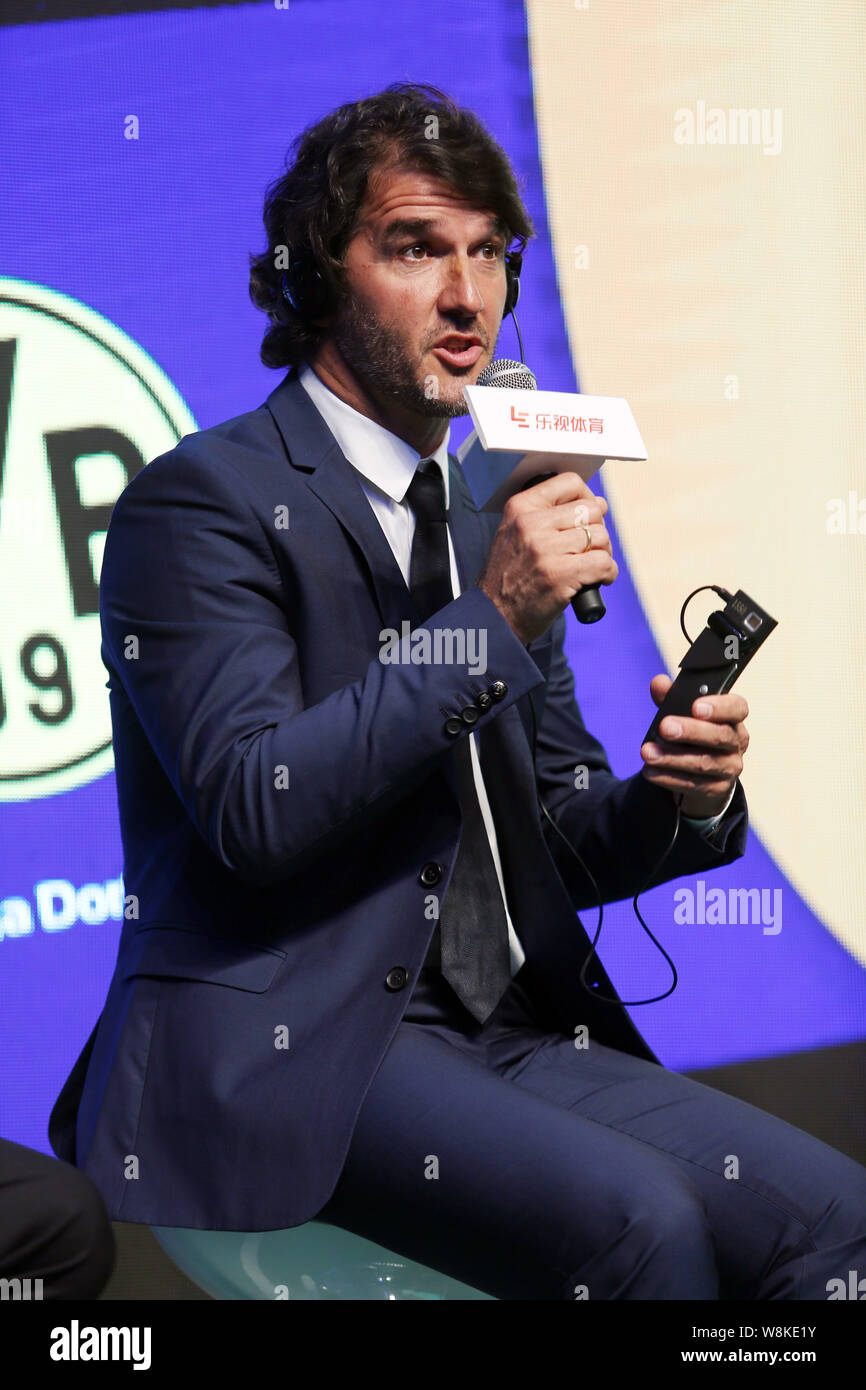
{"x": 281, "y": 790}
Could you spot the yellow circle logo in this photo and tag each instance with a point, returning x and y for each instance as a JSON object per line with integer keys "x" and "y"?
{"x": 82, "y": 410}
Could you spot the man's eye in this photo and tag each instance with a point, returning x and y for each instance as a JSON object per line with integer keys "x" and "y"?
{"x": 422, "y": 246}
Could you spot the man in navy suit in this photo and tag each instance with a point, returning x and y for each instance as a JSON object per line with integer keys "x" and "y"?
{"x": 311, "y": 819}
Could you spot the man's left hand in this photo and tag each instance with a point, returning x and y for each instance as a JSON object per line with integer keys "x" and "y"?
{"x": 700, "y": 757}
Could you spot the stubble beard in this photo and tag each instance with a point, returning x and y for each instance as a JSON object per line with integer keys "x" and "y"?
{"x": 378, "y": 356}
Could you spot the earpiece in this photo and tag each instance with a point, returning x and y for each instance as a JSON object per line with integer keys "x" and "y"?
{"x": 513, "y": 267}
{"x": 303, "y": 287}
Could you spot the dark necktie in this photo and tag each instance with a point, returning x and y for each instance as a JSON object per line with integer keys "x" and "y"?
{"x": 471, "y": 937}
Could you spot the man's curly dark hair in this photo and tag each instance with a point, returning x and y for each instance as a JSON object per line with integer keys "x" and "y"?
{"x": 311, "y": 211}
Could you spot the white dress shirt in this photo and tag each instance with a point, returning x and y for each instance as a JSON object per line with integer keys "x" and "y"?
{"x": 387, "y": 465}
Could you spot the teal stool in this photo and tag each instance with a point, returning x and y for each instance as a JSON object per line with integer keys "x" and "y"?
{"x": 313, "y": 1261}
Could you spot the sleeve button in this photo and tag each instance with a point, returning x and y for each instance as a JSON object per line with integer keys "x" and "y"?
{"x": 498, "y": 690}
{"x": 454, "y": 726}
{"x": 469, "y": 715}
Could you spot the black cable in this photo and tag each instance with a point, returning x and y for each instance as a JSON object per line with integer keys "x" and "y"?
{"x": 716, "y": 588}
{"x": 606, "y": 998}
{"x": 519, "y": 339}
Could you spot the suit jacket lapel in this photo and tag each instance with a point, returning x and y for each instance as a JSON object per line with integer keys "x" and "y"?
{"x": 314, "y": 450}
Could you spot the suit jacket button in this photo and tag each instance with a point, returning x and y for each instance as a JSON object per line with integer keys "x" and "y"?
{"x": 469, "y": 715}
{"x": 483, "y": 701}
{"x": 454, "y": 725}
{"x": 498, "y": 690}
{"x": 397, "y": 977}
{"x": 430, "y": 874}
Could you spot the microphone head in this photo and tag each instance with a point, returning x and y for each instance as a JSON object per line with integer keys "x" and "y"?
{"x": 502, "y": 371}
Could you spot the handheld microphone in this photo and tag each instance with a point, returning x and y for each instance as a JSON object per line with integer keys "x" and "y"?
{"x": 587, "y": 604}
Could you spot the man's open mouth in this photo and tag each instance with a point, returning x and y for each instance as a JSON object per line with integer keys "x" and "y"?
{"x": 459, "y": 352}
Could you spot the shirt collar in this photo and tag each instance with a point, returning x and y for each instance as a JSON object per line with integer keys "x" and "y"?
{"x": 382, "y": 457}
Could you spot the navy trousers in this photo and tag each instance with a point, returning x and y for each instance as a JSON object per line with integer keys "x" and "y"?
{"x": 529, "y": 1168}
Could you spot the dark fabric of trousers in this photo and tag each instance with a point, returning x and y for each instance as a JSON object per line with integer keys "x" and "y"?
{"x": 53, "y": 1226}
{"x": 528, "y": 1168}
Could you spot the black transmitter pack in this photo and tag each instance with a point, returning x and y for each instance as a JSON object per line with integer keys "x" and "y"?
{"x": 716, "y": 657}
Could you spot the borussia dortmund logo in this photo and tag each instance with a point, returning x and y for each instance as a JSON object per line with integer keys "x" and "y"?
{"x": 82, "y": 410}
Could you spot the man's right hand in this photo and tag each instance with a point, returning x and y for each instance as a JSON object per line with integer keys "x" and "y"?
{"x": 537, "y": 563}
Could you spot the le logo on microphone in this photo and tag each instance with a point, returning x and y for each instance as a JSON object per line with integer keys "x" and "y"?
{"x": 521, "y": 433}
